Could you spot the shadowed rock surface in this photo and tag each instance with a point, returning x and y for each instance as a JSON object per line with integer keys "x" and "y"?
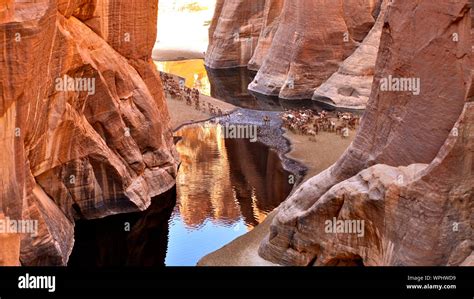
{"x": 271, "y": 20}
{"x": 408, "y": 174}
{"x": 234, "y": 33}
{"x": 78, "y": 154}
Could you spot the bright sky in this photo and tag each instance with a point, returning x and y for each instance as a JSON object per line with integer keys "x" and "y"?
{"x": 184, "y": 24}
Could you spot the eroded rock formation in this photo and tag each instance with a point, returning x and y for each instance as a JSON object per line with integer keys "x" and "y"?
{"x": 351, "y": 85}
{"x": 408, "y": 174}
{"x": 271, "y": 20}
{"x": 312, "y": 39}
{"x": 234, "y": 33}
{"x": 85, "y": 150}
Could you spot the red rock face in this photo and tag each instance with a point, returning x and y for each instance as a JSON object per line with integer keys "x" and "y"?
{"x": 271, "y": 21}
{"x": 359, "y": 16}
{"x": 215, "y": 19}
{"x": 351, "y": 85}
{"x": 97, "y": 149}
{"x": 6, "y": 9}
{"x": 312, "y": 39}
{"x": 408, "y": 174}
{"x": 234, "y": 33}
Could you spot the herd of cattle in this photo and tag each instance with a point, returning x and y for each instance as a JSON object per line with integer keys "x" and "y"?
{"x": 310, "y": 122}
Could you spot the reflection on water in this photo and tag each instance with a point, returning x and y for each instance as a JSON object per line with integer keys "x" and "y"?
{"x": 136, "y": 239}
{"x": 229, "y": 85}
{"x": 225, "y": 188}
{"x": 193, "y": 71}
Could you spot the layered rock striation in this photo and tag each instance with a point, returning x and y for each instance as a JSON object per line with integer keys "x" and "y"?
{"x": 297, "y": 45}
{"x": 271, "y": 21}
{"x": 312, "y": 39}
{"x": 84, "y": 126}
{"x": 234, "y": 33}
{"x": 408, "y": 174}
{"x": 351, "y": 85}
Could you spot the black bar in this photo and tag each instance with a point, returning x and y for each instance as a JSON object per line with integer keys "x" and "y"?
{"x": 368, "y": 282}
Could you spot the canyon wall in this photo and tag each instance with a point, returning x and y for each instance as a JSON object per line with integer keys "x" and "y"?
{"x": 351, "y": 85}
{"x": 6, "y": 9}
{"x": 297, "y": 45}
{"x": 87, "y": 150}
{"x": 312, "y": 39}
{"x": 271, "y": 21}
{"x": 408, "y": 175}
{"x": 234, "y": 33}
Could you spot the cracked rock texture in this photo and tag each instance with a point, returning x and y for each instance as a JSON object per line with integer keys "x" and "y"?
{"x": 78, "y": 154}
{"x": 409, "y": 173}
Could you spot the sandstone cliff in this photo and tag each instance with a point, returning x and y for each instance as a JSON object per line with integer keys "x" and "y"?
{"x": 408, "y": 174}
{"x": 312, "y": 39}
{"x": 351, "y": 85}
{"x": 71, "y": 152}
{"x": 271, "y": 21}
{"x": 234, "y": 33}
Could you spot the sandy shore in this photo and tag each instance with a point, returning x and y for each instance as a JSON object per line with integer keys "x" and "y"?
{"x": 169, "y": 53}
{"x": 182, "y": 114}
{"x": 318, "y": 153}
{"x": 183, "y": 29}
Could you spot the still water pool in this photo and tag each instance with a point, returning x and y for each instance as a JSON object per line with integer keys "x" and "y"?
{"x": 225, "y": 188}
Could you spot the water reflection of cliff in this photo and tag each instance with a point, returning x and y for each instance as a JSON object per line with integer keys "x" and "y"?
{"x": 229, "y": 85}
{"x": 109, "y": 242}
{"x": 204, "y": 179}
{"x": 225, "y": 180}
{"x": 259, "y": 180}
{"x": 193, "y": 71}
